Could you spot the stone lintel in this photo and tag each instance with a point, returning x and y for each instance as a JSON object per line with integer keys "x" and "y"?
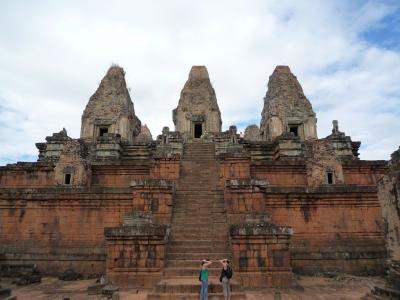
{"x": 150, "y": 231}
{"x": 167, "y": 156}
{"x": 109, "y": 138}
{"x": 258, "y": 217}
{"x": 105, "y": 121}
{"x": 138, "y": 218}
{"x": 243, "y": 183}
{"x": 152, "y": 183}
{"x": 260, "y": 229}
{"x": 197, "y": 118}
{"x": 288, "y": 136}
{"x": 236, "y": 152}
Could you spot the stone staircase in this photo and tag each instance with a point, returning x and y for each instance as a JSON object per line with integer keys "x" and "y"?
{"x": 199, "y": 229}
{"x": 132, "y": 152}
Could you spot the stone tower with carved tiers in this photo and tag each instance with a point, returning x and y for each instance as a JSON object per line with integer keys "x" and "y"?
{"x": 197, "y": 112}
{"x": 286, "y": 108}
{"x": 110, "y": 110}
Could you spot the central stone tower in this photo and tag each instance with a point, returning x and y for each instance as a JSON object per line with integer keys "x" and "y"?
{"x": 197, "y": 112}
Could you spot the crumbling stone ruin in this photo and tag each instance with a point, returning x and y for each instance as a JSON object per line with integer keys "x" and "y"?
{"x": 144, "y": 136}
{"x": 276, "y": 201}
{"x": 252, "y": 133}
{"x": 389, "y": 197}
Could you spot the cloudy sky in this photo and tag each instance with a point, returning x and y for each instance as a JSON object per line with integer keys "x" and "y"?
{"x": 53, "y": 54}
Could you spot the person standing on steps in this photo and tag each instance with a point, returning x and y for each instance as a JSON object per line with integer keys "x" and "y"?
{"x": 226, "y": 275}
{"x": 203, "y": 277}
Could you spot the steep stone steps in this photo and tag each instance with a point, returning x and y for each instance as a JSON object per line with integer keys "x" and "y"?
{"x": 195, "y": 221}
{"x": 200, "y": 232}
{"x": 214, "y": 226}
{"x": 136, "y": 152}
{"x": 196, "y": 243}
{"x": 213, "y": 192}
{"x": 193, "y": 201}
{"x": 199, "y": 229}
{"x": 201, "y": 210}
{"x": 210, "y": 231}
{"x": 193, "y": 296}
{"x": 191, "y": 216}
{"x": 185, "y": 264}
{"x": 196, "y": 201}
{"x": 191, "y": 285}
{"x": 199, "y": 256}
{"x": 197, "y": 197}
{"x": 198, "y": 235}
{"x": 198, "y": 204}
{"x": 198, "y": 224}
{"x": 200, "y": 195}
{"x": 189, "y": 272}
{"x": 200, "y": 249}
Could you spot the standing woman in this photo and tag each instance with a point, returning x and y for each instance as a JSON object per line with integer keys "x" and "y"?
{"x": 204, "y": 279}
{"x": 226, "y": 274}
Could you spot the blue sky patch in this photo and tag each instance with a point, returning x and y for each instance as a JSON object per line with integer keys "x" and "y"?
{"x": 385, "y": 34}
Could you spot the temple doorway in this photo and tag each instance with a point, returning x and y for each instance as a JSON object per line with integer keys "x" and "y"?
{"x": 198, "y": 130}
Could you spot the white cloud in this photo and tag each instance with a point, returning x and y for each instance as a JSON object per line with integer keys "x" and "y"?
{"x": 53, "y": 55}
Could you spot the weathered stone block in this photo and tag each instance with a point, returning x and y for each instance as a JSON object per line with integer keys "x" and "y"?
{"x": 136, "y": 251}
{"x": 260, "y": 249}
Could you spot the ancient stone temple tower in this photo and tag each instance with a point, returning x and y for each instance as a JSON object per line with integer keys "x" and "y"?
{"x": 286, "y": 108}
{"x": 197, "y": 112}
{"x": 110, "y": 109}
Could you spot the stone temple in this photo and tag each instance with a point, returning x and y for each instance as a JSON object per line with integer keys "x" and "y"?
{"x": 277, "y": 200}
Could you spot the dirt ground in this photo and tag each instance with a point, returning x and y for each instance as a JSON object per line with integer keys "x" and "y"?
{"x": 341, "y": 288}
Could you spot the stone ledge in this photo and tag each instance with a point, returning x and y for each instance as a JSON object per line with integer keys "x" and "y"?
{"x": 138, "y": 230}
{"x": 270, "y": 189}
{"x": 259, "y": 229}
{"x": 163, "y": 156}
{"x": 282, "y": 162}
{"x": 364, "y": 163}
{"x": 151, "y": 183}
{"x": 233, "y": 154}
{"x": 243, "y": 183}
{"x": 59, "y": 190}
{"x": 323, "y": 189}
{"x": 29, "y": 166}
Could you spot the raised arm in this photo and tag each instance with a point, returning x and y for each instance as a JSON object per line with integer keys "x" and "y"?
{"x": 208, "y": 263}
